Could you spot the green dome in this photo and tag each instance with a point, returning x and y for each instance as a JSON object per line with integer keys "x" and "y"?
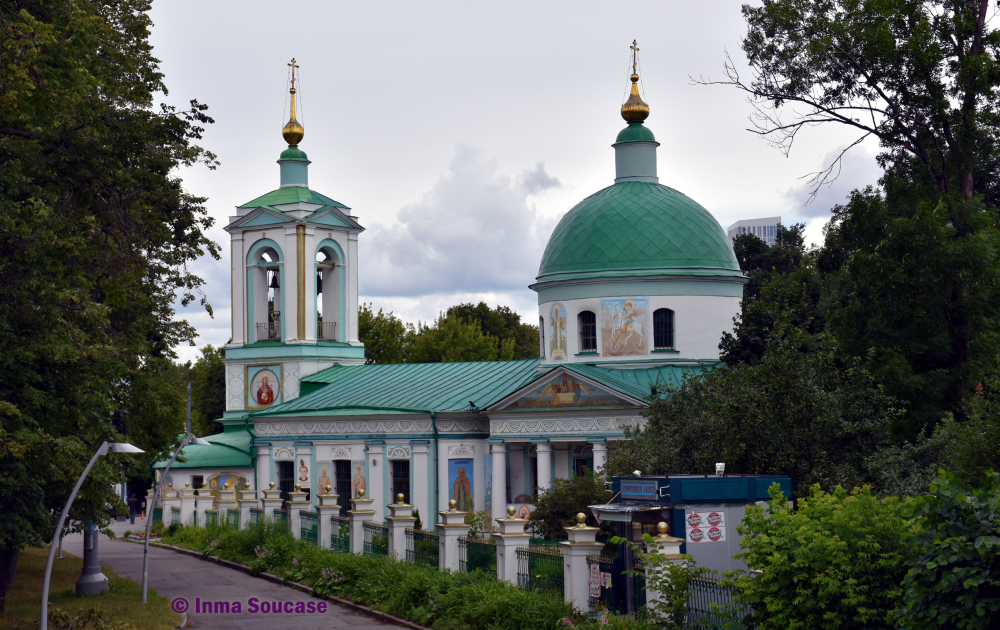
{"x": 635, "y": 132}
{"x": 638, "y": 227}
{"x": 294, "y": 153}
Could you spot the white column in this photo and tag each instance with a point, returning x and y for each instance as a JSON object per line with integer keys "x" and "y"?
{"x": 327, "y": 507}
{"x": 544, "y": 453}
{"x": 270, "y": 502}
{"x": 263, "y": 465}
{"x": 421, "y": 478}
{"x": 560, "y": 460}
{"x": 376, "y": 463}
{"x": 401, "y": 518}
{"x": 361, "y": 513}
{"x": 297, "y": 502}
{"x": 310, "y": 254}
{"x": 600, "y": 457}
{"x": 670, "y": 547}
{"x": 248, "y": 499}
{"x": 509, "y": 538}
{"x": 202, "y": 503}
{"x": 444, "y": 493}
{"x": 450, "y": 529}
{"x": 576, "y": 574}
{"x": 238, "y": 279}
{"x": 187, "y": 504}
{"x": 289, "y": 286}
{"x": 351, "y": 313}
{"x": 499, "y": 480}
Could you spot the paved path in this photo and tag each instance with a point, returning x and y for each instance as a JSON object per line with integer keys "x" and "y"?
{"x": 175, "y": 575}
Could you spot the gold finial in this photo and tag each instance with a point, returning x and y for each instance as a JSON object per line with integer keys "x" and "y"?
{"x": 662, "y": 529}
{"x": 328, "y": 489}
{"x": 399, "y": 499}
{"x": 271, "y": 485}
{"x": 170, "y": 485}
{"x": 293, "y": 131}
{"x": 452, "y": 504}
{"x": 511, "y": 510}
{"x": 581, "y": 520}
{"x": 298, "y": 487}
{"x": 361, "y": 493}
{"x": 187, "y": 484}
{"x": 635, "y": 109}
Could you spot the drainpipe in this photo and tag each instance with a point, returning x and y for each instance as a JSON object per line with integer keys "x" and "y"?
{"x": 253, "y": 450}
{"x": 437, "y": 459}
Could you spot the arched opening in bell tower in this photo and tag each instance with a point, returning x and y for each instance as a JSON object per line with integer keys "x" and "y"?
{"x": 329, "y": 291}
{"x": 265, "y": 284}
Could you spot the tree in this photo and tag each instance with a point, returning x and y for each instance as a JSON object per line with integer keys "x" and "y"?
{"x": 95, "y": 236}
{"x": 556, "y": 508}
{"x": 208, "y": 390}
{"x": 502, "y": 323}
{"x": 387, "y": 339}
{"x": 452, "y": 339}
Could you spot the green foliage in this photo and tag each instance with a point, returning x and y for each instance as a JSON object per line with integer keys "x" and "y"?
{"x": 451, "y": 339}
{"x": 386, "y": 337}
{"x": 208, "y": 391}
{"x": 502, "y": 323}
{"x": 557, "y": 507}
{"x": 798, "y": 413}
{"x": 438, "y": 599}
{"x": 954, "y": 579}
{"x": 481, "y": 526}
{"x": 417, "y": 524}
{"x": 836, "y": 562}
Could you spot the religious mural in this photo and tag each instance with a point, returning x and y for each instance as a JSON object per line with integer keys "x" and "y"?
{"x": 358, "y": 482}
{"x": 565, "y": 390}
{"x": 523, "y": 506}
{"x": 460, "y": 483}
{"x": 224, "y": 481}
{"x": 264, "y": 388}
{"x": 324, "y": 478}
{"x": 488, "y": 503}
{"x": 557, "y": 332}
{"x": 625, "y": 327}
{"x": 303, "y": 473}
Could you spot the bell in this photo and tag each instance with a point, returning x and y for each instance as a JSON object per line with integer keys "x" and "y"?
{"x": 319, "y": 283}
{"x": 274, "y": 281}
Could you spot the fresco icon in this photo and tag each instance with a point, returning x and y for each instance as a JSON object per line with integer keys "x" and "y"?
{"x": 265, "y": 388}
{"x": 565, "y": 390}
{"x": 460, "y": 483}
{"x": 557, "y": 331}
{"x": 625, "y": 327}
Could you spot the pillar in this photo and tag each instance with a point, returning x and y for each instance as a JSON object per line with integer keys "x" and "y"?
{"x": 303, "y": 455}
{"x": 362, "y": 512}
{"x": 419, "y": 493}
{"x": 600, "y": 457}
{"x": 451, "y": 527}
{"x": 188, "y": 502}
{"x": 667, "y": 545}
{"x": 326, "y": 506}
{"x": 92, "y": 581}
{"x": 227, "y": 501}
{"x": 499, "y": 452}
{"x": 202, "y": 503}
{"x": 263, "y": 464}
{"x": 509, "y": 538}
{"x": 297, "y": 502}
{"x": 248, "y": 499}
{"x": 271, "y": 501}
{"x": 375, "y": 476}
{"x": 561, "y": 461}
{"x": 576, "y": 574}
{"x": 170, "y": 501}
{"x": 401, "y": 517}
{"x": 544, "y": 453}
{"x": 150, "y": 501}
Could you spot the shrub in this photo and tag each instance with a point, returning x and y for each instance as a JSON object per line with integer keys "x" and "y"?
{"x": 836, "y": 562}
{"x": 557, "y": 508}
{"x": 954, "y": 580}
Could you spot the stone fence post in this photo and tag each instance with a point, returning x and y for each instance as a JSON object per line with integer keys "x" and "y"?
{"x": 202, "y": 503}
{"x": 188, "y": 500}
{"x": 401, "y": 517}
{"x": 362, "y": 512}
{"x": 450, "y": 529}
{"x": 170, "y": 501}
{"x": 509, "y": 538}
{"x": 576, "y": 575}
{"x": 271, "y": 501}
{"x": 325, "y": 508}
{"x": 226, "y": 501}
{"x": 669, "y": 547}
{"x": 248, "y": 499}
{"x": 297, "y": 502}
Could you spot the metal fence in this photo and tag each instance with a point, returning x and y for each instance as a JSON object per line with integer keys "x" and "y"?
{"x": 309, "y": 527}
{"x": 602, "y": 592}
{"x": 211, "y": 518}
{"x": 639, "y": 588}
{"x": 255, "y": 515}
{"x": 175, "y": 515}
{"x": 477, "y": 554}
{"x": 422, "y": 547}
{"x": 233, "y": 518}
{"x": 711, "y": 605}
{"x": 376, "y": 539}
{"x": 194, "y": 518}
{"x": 540, "y": 568}
{"x": 281, "y": 516}
{"x": 340, "y": 534}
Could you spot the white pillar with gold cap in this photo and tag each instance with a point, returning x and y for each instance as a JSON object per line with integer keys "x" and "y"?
{"x": 401, "y": 518}
{"x": 188, "y": 500}
{"x": 666, "y": 545}
{"x": 297, "y": 502}
{"x": 170, "y": 501}
{"x": 450, "y": 529}
{"x": 271, "y": 500}
{"x": 226, "y": 501}
{"x": 202, "y": 504}
{"x": 509, "y": 538}
{"x": 576, "y": 574}
{"x": 248, "y": 499}
{"x": 326, "y": 506}
{"x": 362, "y": 512}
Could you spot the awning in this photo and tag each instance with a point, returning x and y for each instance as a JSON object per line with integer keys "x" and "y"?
{"x": 622, "y": 512}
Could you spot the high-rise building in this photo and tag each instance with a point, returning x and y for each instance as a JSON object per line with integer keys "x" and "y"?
{"x": 765, "y": 229}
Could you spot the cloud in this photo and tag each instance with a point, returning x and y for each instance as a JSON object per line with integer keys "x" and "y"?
{"x": 474, "y": 232}
{"x": 857, "y": 170}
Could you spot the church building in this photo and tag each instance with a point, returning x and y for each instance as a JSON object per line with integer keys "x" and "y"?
{"x": 635, "y": 288}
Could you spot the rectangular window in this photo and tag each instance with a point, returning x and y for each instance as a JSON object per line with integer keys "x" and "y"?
{"x": 588, "y": 331}
{"x": 663, "y": 329}
{"x": 286, "y": 479}
{"x": 197, "y": 482}
{"x": 400, "y": 479}
{"x": 342, "y": 473}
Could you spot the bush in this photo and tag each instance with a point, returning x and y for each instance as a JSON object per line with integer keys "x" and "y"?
{"x": 954, "y": 580}
{"x": 836, "y": 562}
{"x": 556, "y": 509}
{"x": 439, "y": 599}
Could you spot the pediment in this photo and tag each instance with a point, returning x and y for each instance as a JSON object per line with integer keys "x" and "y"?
{"x": 564, "y": 389}
{"x": 259, "y": 216}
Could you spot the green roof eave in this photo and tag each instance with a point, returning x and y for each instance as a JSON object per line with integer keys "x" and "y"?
{"x": 343, "y": 411}
{"x": 679, "y": 273}
{"x": 291, "y": 194}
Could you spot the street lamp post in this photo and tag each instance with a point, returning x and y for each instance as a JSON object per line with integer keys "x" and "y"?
{"x": 113, "y": 447}
{"x": 188, "y": 439}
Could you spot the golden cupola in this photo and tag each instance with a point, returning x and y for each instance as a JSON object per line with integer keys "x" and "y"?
{"x": 293, "y": 130}
{"x": 634, "y": 109}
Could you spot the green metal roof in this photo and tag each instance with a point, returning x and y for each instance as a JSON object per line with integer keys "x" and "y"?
{"x": 635, "y": 132}
{"x": 228, "y": 450}
{"x": 291, "y": 194}
{"x": 638, "y": 226}
{"x": 637, "y": 382}
{"x": 437, "y": 387}
{"x": 293, "y": 154}
{"x": 331, "y": 374}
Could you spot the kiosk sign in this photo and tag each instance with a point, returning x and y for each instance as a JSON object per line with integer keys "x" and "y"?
{"x": 706, "y": 526}
{"x": 638, "y": 489}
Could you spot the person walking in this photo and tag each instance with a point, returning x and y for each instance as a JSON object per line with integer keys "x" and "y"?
{"x": 133, "y": 507}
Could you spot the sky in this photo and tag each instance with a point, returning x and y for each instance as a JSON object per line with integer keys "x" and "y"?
{"x": 459, "y": 133}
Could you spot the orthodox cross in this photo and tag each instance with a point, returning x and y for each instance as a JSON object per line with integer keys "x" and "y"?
{"x": 293, "y": 67}
{"x": 634, "y": 47}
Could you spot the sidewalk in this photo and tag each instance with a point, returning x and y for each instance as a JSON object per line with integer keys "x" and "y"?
{"x": 175, "y": 575}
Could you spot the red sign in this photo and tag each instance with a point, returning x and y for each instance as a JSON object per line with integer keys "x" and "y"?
{"x": 714, "y": 534}
{"x": 694, "y": 519}
{"x": 696, "y": 535}
{"x": 714, "y": 519}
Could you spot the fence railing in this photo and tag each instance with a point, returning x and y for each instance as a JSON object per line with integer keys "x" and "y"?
{"x": 711, "y": 604}
{"x": 233, "y": 518}
{"x": 376, "y": 539}
{"x": 269, "y": 331}
{"x": 211, "y": 518}
{"x": 281, "y": 516}
{"x": 639, "y": 588}
{"x": 540, "y": 568}
{"x": 255, "y": 515}
{"x": 476, "y": 554}
{"x": 327, "y": 331}
{"x": 422, "y": 547}
{"x": 602, "y": 592}
{"x": 194, "y": 518}
{"x": 309, "y": 529}
{"x": 175, "y": 515}
{"x": 340, "y": 534}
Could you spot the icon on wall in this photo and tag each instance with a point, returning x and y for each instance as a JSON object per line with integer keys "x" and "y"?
{"x": 263, "y": 386}
{"x": 557, "y": 325}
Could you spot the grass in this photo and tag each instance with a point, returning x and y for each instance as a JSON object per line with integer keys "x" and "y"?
{"x": 120, "y": 604}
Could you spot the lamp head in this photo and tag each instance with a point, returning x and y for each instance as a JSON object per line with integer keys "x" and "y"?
{"x": 199, "y": 441}
{"x": 125, "y": 447}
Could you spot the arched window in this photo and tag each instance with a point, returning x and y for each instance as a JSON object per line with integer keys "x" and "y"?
{"x": 663, "y": 329}
{"x": 541, "y": 336}
{"x": 588, "y": 331}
